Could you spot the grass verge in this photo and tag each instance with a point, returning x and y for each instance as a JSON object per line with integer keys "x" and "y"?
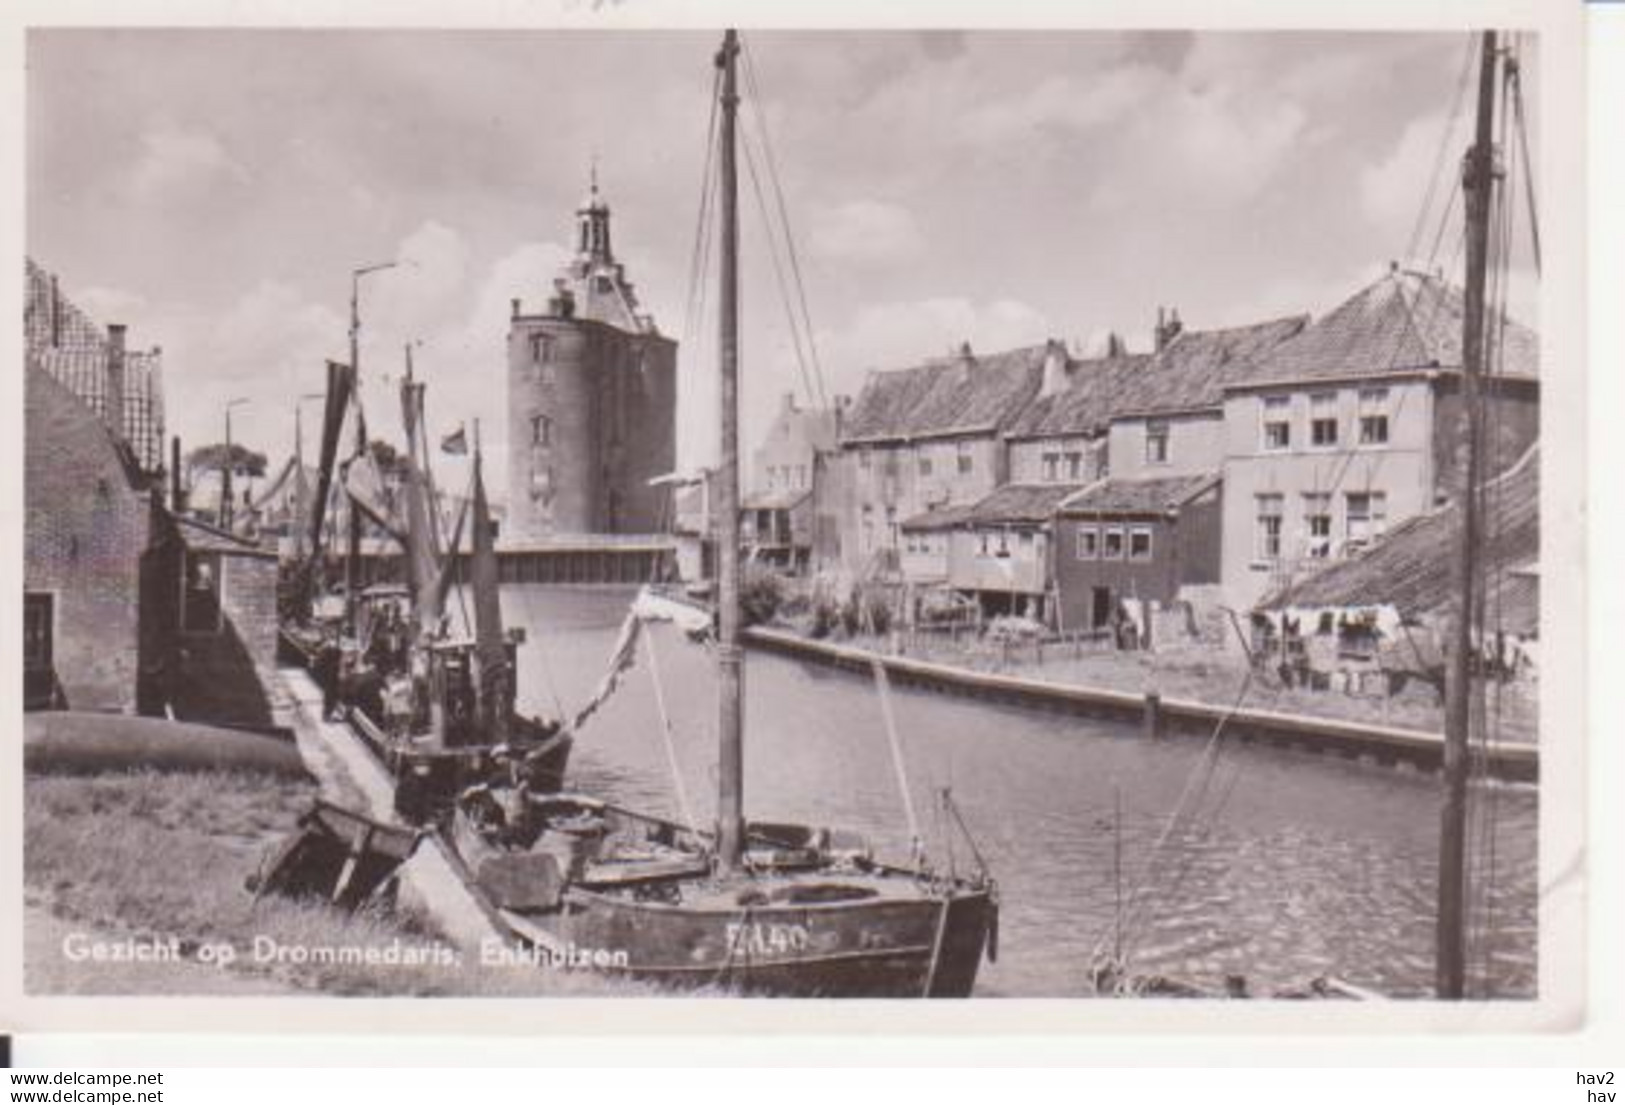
{"x": 156, "y": 856}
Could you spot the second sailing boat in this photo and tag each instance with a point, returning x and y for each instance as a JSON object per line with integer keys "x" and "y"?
{"x": 760, "y": 908}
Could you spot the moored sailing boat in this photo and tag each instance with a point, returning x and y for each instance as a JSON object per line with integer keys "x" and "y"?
{"x": 449, "y": 716}
{"x": 438, "y": 708}
{"x": 761, "y": 908}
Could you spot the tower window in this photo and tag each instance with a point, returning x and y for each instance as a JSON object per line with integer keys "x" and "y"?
{"x": 541, "y": 430}
{"x": 541, "y": 348}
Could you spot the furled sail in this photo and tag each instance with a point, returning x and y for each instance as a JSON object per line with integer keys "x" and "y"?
{"x": 364, "y": 484}
{"x": 419, "y": 545}
{"x": 340, "y": 381}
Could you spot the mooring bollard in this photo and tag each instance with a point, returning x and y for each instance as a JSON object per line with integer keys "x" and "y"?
{"x": 1152, "y": 721}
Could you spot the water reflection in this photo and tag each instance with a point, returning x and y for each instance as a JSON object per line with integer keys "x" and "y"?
{"x": 1298, "y": 865}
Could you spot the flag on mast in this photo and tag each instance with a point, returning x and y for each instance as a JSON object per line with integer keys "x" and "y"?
{"x": 455, "y": 443}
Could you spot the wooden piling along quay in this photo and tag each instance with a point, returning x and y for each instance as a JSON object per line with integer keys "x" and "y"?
{"x": 1154, "y": 713}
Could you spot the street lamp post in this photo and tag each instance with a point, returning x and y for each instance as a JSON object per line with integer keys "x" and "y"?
{"x": 225, "y": 470}
{"x": 352, "y": 564}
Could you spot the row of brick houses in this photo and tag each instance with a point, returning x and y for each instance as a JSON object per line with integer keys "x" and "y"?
{"x": 128, "y": 606}
{"x": 1220, "y": 467}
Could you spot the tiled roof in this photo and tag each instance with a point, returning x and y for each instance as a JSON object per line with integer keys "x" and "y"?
{"x": 1412, "y": 568}
{"x": 775, "y": 500}
{"x": 50, "y": 318}
{"x": 1012, "y": 504}
{"x": 945, "y": 397}
{"x": 1021, "y": 502}
{"x": 1124, "y": 496}
{"x": 201, "y": 537}
{"x": 1089, "y": 401}
{"x": 939, "y": 518}
{"x": 1192, "y": 370}
{"x": 1405, "y": 321}
{"x": 74, "y": 350}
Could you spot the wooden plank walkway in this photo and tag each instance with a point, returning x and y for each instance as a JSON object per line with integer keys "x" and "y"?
{"x": 350, "y": 775}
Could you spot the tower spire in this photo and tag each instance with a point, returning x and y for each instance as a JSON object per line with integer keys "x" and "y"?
{"x": 592, "y": 222}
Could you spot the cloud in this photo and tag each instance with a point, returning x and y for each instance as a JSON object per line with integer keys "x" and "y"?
{"x": 1205, "y": 149}
{"x": 867, "y": 231}
{"x": 1392, "y": 190}
{"x": 179, "y": 163}
{"x": 108, "y": 305}
{"x": 1062, "y": 104}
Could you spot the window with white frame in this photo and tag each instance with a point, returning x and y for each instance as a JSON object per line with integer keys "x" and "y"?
{"x": 200, "y": 594}
{"x": 1323, "y": 419}
{"x": 1365, "y": 516}
{"x": 1139, "y": 543}
{"x": 1317, "y": 524}
{"x": 1374, "y": 413}
{"x": 1052, "y": 467}
{"x": 1156, "y": 441}
{"x": 966, "y": 461}
{"x": 1088, "y": 543}
{"x": 1267, "y": 545}
{"x": 1074, "y": 466}
{"x": 1277, "y": 422}
{"x": 1111, "y": 543}
{"x": 925, "y": 462}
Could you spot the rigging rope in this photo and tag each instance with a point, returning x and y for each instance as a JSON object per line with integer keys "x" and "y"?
{"x": 1528, "y": 165}
{"x": 666, "y": 733}
{"x": 883, "y": 685}
{"x": 699, "y": 261}
{"x": 1445, "y": 144}
{"x": 1196, "y": 787}
{"x": 757, "y": 100}
{"x": 778, "y": 271}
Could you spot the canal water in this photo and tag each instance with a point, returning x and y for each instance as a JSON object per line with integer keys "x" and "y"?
{"x": 1293, "y": 865}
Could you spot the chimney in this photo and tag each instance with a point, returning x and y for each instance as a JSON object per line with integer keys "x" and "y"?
{"x": 842, "y": 402}
{"x": 1115, "y": 345}
{"x": 56, "y": 313}
{"x": 176, "y": 495}
{"x": 1168, "y": 327}
{"x": 1057, "y": 369}
{"x": 515, "y": 304}
{"x": 967, "y": 361}
{"x": 113, "y": 410}
{"x": 789, "y": 404}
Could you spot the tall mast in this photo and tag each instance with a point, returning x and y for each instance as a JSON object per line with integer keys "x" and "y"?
{"x": 352, "y": 562}
{"x": 731, "y": 766}
{"x": 1478, "y": 182}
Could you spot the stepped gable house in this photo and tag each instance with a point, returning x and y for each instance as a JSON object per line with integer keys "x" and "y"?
{"x": 777, "y": 513}
{"x": 592, "y": 400}
{"x": 922, "y": 439}
{"x": 92, "y": 472}
{"x": 1353, "y": 425}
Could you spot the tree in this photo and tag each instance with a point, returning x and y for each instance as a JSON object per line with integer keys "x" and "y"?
{"x": 391, "y": 462}
{"x": 212, "y": 458}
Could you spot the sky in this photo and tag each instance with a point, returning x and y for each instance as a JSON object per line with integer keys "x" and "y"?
{"x": 214, "y": 189}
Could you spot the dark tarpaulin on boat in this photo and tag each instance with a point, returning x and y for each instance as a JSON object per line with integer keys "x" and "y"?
{"x": 340, "y": 380}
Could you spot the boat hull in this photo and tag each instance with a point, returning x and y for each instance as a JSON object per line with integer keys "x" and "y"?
{"x": 924, "y": 947}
